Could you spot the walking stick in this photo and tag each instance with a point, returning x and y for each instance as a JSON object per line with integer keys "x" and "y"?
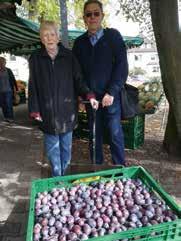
{"x": 94, "y": 137}
{"x": 93, "y": 132}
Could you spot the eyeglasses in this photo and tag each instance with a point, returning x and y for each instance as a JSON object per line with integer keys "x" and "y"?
{"x": 90, "y": 14}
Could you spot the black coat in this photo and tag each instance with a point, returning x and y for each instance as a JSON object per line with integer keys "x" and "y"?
{"x": 53, "y": 89}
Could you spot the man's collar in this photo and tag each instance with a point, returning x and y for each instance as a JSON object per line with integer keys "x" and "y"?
{"x": 97, "y": 33}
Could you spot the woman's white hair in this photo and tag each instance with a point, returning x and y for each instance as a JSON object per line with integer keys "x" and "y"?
{"x": 49, "y": 24}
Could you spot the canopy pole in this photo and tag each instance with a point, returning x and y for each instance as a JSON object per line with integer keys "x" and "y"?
{"x": 64, "y": 23}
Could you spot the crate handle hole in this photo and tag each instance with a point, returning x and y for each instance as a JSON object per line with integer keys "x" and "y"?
{"x": 118, "y": 175}
{"x": 107, "y": 176}
{"x": 60, "y": 183}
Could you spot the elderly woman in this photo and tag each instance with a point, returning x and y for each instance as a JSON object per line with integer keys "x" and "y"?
{"x": 54, "y": 86}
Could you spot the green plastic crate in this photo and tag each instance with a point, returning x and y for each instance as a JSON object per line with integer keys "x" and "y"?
{"x": 168, "y": 231}
{"x": 133, "y": 130}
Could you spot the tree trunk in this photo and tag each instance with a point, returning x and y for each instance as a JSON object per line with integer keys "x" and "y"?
{"x": 164, "y": 15}
{"x": 64, "y": 23}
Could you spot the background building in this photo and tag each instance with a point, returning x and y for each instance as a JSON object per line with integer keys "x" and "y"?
{"x": 146, "y": 58}
{"x": 19, "y": 66}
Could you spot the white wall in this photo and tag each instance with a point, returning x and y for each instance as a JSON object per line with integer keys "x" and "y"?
{"x": 146, "y": 60}
{"x": 18, "y": 65}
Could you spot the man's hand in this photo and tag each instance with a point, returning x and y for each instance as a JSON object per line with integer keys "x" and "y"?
{"x": 94, "y": 103}
{"x": 107, "y": 100}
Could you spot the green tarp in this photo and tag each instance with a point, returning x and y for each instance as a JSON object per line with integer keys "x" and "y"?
{"x": 19, "y": 36}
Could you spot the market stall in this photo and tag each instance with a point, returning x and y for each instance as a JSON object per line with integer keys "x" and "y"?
{"x": 20, "y": 36}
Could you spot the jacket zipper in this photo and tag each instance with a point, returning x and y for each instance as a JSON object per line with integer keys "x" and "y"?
{"x": 54, "y": 105}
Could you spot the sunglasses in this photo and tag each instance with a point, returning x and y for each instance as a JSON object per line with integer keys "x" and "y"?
{"x": 90, "y": 14}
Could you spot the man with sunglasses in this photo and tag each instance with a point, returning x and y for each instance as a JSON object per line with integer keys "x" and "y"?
{"x": 105, "y": 71}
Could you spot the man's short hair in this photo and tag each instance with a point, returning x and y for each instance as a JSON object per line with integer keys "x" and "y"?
{"x": 93, "y": 1}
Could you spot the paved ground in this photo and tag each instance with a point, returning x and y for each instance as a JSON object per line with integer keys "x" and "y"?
{"x": 21, "y": 161}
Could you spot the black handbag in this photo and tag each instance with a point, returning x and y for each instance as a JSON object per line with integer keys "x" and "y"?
{"x": 129, "y": 94}
{"x": 129, "y": 101}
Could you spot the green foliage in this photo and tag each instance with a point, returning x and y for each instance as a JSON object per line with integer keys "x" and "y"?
{"x": 37, "y": 10}
{"x": 138, "y": 11}
{"x": 48, "y": 10}
{"x": 137, "y": 71}
{"x": 23, "y": 10}
{"x": 155, "y": 78}
{"x": 78, "y": 13}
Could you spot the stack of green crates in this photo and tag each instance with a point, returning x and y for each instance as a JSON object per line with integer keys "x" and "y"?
{"x": 133, "y": 130}
{"x": 167, "y": 231}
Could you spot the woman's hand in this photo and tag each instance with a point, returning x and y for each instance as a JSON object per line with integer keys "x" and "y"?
{"x": 36, "y": 116}
{"x": 81, "y": 106}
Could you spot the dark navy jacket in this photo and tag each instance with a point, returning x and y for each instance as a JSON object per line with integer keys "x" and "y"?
{"x": 104, "y": 65}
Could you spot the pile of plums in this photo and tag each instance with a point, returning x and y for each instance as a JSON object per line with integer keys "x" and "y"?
{"x": 90, "y": 210}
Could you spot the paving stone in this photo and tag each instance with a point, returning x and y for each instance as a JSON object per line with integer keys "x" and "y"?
{"x": 17, "y": 142}
{"x": 29, "y": 176}
{"x": 24, "y": 224}
{"x": 11, "y": 228}
{"x": 11, "y": 238}
{"x": 21, "y": 206}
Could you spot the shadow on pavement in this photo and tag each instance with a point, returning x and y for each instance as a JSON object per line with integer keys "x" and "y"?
{"x": 21, "y": 162}
{"x": 14, "y": 229}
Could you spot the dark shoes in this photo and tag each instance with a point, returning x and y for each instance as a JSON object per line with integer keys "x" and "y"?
{"x": 9, "y": 120}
